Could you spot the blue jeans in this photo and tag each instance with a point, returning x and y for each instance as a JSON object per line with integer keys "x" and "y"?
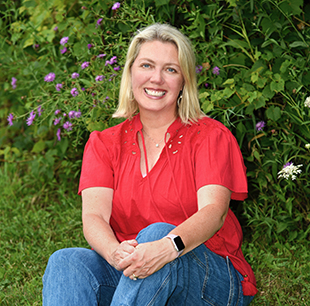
{"x": 81, "y": 277}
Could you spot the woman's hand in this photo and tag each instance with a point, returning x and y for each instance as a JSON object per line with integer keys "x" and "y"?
{"x": 124, "y": 249}
{"x": 148, "y": 258}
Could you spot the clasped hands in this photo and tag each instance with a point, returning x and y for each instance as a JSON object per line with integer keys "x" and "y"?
{"x": 142, "y": 260}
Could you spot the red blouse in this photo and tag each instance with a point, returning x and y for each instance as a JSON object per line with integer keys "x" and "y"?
{"x": 194, "y": 156}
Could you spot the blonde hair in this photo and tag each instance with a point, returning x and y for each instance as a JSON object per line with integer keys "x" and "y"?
{"x": 189, "y": 108}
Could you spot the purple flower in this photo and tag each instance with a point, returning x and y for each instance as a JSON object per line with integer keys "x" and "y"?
{"x": 64, "y": 40}
{"x": 57, "y": 111}
{"x": 71, "y": 114}
{"x": 99, "y": 78}
{"x": 58, "y": 86}
{"x": 13, "y": 83}
{"x": 116, "y": 6}
{"x": 49, "y": 77}
{"x": 58, "y": 134}
{"x": 36, "y": 46}
{"x": 75, "y": 75}
{"x": 10, "y": 119}
{"x": 107, "y": 97}
{"x": 101, "y": 55}
{"x": 287, "y": 165}
{"x": 216, "y": 70}
{"x": 260, "y": 125}
{"x": 83, "y": 89}
{"x": 31, "y": 118}
{"x": 89, "y": 46}
{"x": 99, "y": 21}
{"x": 57, "y": 120}
{"x": 117, "y": 68}
{"x": 67, "y": 126}
{"x": 56, "y": 28}
{"x": 206, "y": 85}
{"x": 198, "y": 69}
{"x": 74, "y": 92}
{"x": 78, "y": 114}
{"x": 39, "y": 109}
{"x": 84, "y": 65}
{"x": 64, "y": 50}
{"x": 112, "y": 61}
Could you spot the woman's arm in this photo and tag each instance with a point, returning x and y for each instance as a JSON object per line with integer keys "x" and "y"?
{"x": 96, "y": 213}
{"x": 213, "y": 204}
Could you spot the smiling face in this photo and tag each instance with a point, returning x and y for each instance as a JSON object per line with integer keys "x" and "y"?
{"x": 156, "y": 78}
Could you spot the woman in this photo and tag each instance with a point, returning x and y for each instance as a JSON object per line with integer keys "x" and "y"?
{"x": 156, "y": 191}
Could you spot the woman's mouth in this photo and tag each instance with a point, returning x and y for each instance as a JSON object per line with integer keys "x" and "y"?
{"x": 154, "y": 93}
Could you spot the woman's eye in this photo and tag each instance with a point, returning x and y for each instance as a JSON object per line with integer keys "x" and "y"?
{"x": 146, "y": 65}
{"x": 171, "y": 70}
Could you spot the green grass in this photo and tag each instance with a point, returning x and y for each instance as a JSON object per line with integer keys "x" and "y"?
{"x": 37, "y": 218}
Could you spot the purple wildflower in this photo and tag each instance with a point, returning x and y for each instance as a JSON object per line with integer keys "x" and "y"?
{"x": 287, "y": 165}
{"x": 112, "y": 61}
{"x": 64, "y": 40}
{"x": 89, "y": 46}
{"x": 39, "y": 109}
{"x": 36, "y": 46}
{"x": 78, "y": 114}
{"x": 58, "y": 86}
{"x": 64, "y": 50}
{"x": 58, "y": 134}
{"x": 216, "y": 70}
{"x": 74, "y": 92}
{"x": 13, "y": 83}
{"x": 10, "y": 119}
{"x": 99, "y": 78}
{"x": 101, "y": 55}
{"x": 206, "y": 85}
{"x": 75, "y": 75}
{"x": 49, "y": 77}
{"x": 57, "y": 120}
{"x": 260, "y": 125}
{"x": 99, "y": 21}
{"x": 84, "y": 65}
{"x": 115, "y": 6}
{"x": 71, "y": 114}
{"x": 67, "y": 126}
{"x": 107, "y": 97}
{"x": 117, "y": 68}
{"x": 198, "y": 68}
{"x": 55, "y": 29}
{"x": 57, "y": 111}
{"x": 31, "y": 118}
{"x": 83, "y": 89}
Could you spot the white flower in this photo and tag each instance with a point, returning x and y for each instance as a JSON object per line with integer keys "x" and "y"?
{"x": 307, "y": 146}
{"x": 289, "y": 171}
{"x": 307, "y": 102}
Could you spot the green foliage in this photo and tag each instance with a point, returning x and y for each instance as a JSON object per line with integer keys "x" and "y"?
{"x": 260, "y": 49}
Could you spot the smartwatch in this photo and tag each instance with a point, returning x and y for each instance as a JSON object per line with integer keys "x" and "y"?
{"x": 177, "y": 243}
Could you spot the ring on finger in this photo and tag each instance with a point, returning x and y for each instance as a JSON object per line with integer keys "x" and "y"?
{"x": 134, "y": 277}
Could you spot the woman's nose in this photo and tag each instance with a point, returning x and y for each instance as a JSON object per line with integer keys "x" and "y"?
{"x": 157, "y": 76}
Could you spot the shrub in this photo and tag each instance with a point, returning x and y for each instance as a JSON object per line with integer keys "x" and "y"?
{"x": 61, "y": 64}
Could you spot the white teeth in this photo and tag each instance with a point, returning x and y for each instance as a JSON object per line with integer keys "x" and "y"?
{"x": 154, "y": 93}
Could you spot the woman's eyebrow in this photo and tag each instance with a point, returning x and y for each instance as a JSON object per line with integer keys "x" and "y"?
{"x": 153, "y": 62}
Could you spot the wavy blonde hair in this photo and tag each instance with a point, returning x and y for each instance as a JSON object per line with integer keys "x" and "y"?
{"x": 189, "y": 108}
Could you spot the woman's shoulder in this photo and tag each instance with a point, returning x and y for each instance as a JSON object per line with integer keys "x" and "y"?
{"x": 112, "y": 131}
{"x": 208, "y": 127}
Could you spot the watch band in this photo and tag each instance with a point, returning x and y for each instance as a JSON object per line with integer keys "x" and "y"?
{"x": 177, "y": 243}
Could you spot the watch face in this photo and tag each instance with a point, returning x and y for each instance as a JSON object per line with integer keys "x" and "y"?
{"x": 179, "y": 243}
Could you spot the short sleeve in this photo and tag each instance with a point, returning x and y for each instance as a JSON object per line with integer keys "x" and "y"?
{"x": 219, "y": 161}
{"x": 97, "y": 169}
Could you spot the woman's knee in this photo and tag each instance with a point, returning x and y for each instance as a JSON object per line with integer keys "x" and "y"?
{"x": 154, "y": 232}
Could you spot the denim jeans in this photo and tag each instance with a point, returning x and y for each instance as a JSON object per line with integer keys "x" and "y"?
{"x": 82, "y": 277}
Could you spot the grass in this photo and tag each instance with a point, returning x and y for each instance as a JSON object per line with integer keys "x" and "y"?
{"x": 37, "y": 218}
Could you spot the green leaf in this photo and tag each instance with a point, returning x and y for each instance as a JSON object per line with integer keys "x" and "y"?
{"x": 38, "y": 147}
{"x": 273, "y": 113}
{"x": 297, "y": 44}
